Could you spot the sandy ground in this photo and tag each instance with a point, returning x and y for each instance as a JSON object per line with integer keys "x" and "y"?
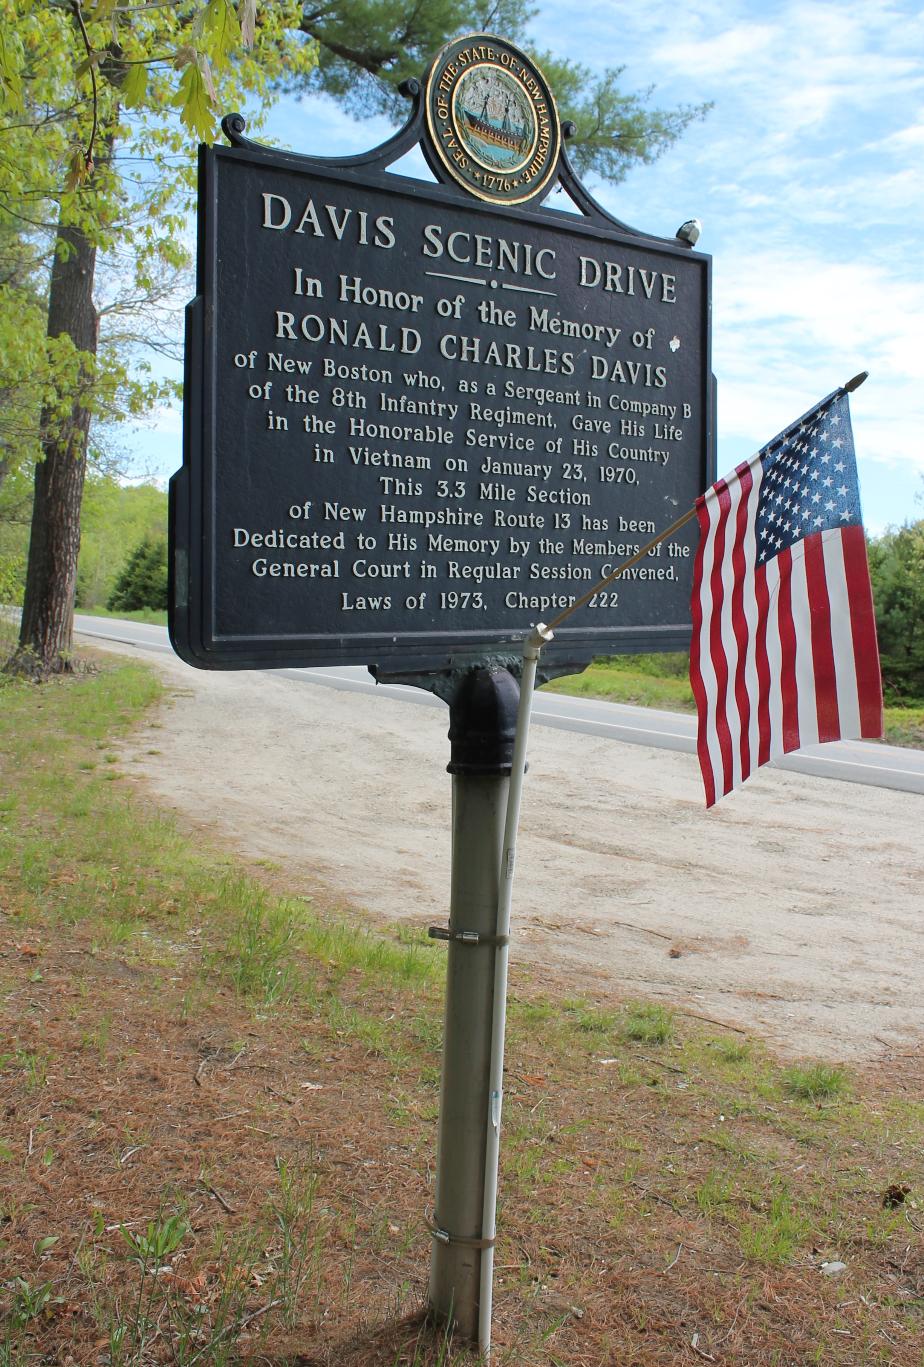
{"x": 793, "y": 910}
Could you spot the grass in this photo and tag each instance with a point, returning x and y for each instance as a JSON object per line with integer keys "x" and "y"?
{"x": 648, "y": 1023}
{"x": 774, "y": 1235}
{"x": 714, "y": 1192}
{"x": 642, "y": 680}
{"x": 904, "y": 725}
{"x": 661, "y": 681}
{"x": 219, "y": 1123}
{"x": 817, "y": 1082}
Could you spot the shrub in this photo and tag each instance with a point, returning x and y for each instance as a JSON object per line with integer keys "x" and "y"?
{"x": 12, "y": 575}
{"x": 142, "y": 582}
{"x": 897, "y": 570}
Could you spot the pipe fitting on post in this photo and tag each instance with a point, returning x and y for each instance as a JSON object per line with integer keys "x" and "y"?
{"x": 482, "y": 723}
{"x": 540, "y": 636}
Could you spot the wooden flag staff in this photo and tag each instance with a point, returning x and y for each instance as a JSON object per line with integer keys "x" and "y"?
{"x": 620, "y": 569}
{"x": 532, "y": 647}
{"x": 848, "y": 388}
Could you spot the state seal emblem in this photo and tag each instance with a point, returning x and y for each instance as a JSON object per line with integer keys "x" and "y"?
{"x": 492, "y": 120}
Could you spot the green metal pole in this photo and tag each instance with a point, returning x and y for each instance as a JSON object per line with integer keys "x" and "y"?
{"x": 482, "y": 733}
{"x": 532, "y": 646}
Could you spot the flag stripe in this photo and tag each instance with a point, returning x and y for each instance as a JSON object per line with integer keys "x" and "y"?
{"x": 698, "y": 654}
{"x": 828, "y": 722}
{"x": 716, "y": 647}
{"x": 803, "y": 619}
{"x": 789, "y": 731}
{"x": 752, "y": 615}
{"x": 863, "y": 627}
{"x": 848, "y": 698}
{"x": 804, "y": 659}
{"x": 743, "y": 524}
{"x": 762, "y": 662}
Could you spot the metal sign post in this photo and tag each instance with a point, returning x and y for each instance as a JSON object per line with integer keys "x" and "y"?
{"x": 418, "y": 416}
{"x": 537, "y": 638}
{"x": 482, "y": 736}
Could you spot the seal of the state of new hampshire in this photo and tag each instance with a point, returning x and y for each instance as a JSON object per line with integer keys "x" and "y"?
{"x": 492, "y": 120}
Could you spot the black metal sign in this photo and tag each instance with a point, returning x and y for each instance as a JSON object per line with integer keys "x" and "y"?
{"x": 417, "y": 421}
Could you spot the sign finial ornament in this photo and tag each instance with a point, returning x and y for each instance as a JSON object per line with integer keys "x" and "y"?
{"x": 492, "y": 120}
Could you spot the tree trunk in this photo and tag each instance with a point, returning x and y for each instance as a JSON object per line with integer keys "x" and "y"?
{"x": 51, "y": 575}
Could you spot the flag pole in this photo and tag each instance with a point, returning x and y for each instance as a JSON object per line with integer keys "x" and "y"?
{"x": 620, "y": 569}
{"x": 532, "y": 645}
{"x": 847, "y": 388}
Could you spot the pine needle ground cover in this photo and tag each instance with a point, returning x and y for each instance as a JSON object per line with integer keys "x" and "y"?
{"x": 218, "y": 1116}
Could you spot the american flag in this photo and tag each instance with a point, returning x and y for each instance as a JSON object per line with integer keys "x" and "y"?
{"x": 784, "y": 649}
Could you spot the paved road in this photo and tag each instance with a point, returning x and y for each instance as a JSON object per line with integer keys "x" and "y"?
{"x": 883, "y": 766}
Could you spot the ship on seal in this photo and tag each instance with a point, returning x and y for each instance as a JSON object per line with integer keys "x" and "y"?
{"x": 502, "y": 135}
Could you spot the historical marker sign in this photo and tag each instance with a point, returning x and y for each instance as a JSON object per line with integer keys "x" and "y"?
{"x": 421, "y": 417}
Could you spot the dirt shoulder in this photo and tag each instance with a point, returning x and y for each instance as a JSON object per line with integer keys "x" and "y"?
{"x": 793, "y": 910}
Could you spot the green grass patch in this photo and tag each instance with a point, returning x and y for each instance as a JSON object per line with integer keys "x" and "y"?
{"x": 642, "y": 680}
{"x": 648, "y": 1023}
{"x": 815, "y": 1082}
{"x": 775, "y": 1233}
{"x": 905, "y": 725}
{"x": 590, "y": 1020}
{"x": 154, "y": 616}
{"x": 259, "y": 953}
{"x": 731, "y": 1050}
{"x": 714, "y": 1192}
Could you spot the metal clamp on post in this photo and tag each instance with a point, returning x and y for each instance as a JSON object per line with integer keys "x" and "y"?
{"x": 443, "y": 1236}
{"x": 466, "y": 937}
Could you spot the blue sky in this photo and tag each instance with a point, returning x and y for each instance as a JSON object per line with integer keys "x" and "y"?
{"x": 808, "y": 176}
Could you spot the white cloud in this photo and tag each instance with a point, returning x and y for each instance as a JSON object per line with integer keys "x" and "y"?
{"x": 788, "y": 331}
{"x": 829, "y": 304}
{"x": 730, "y": 54}
{"x": 905, "y": 140}
{"x": 806, "y": 175}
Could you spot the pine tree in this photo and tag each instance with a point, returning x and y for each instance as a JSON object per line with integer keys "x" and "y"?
{"x": 142, "y": 582}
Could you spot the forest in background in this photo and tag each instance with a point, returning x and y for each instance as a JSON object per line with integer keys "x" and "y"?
{"x": 118, "y": 520}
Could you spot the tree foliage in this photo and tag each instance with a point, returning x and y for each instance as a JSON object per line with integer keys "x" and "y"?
{"x": 15, "y": 508}
{"x": 116, "y": 517}
{"x": 101, "y": 106}
{"x": 23, "y": 356}
{"x": 366, "y": 48}
{"x": 897, "y": 572}
{"x": 142, "y": 582}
